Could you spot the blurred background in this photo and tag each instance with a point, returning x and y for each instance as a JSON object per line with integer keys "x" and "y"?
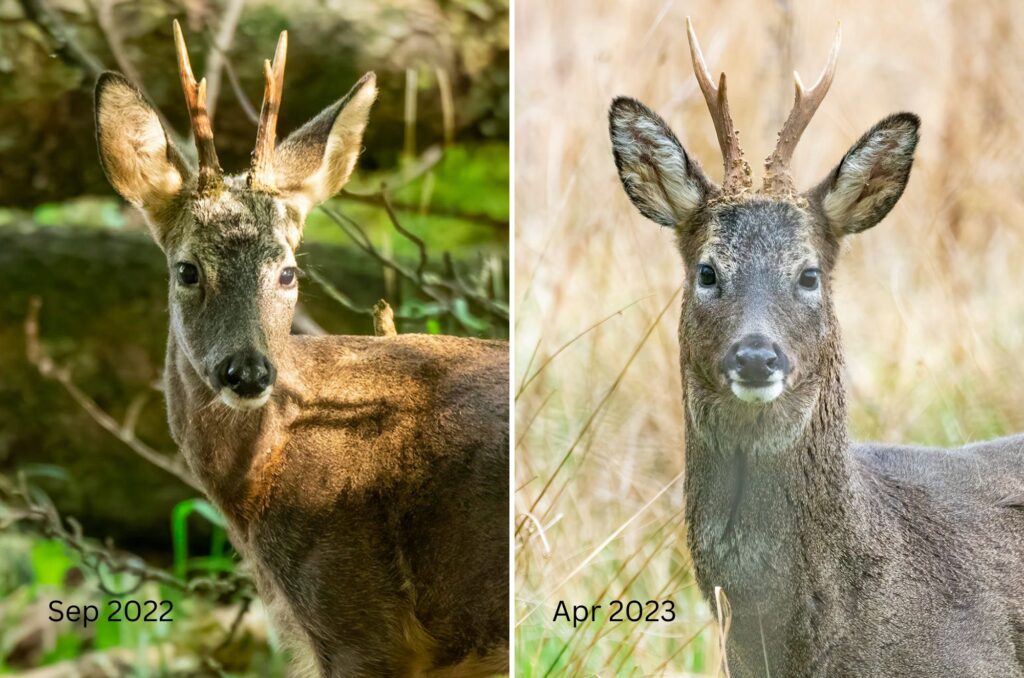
{"x": 95, "y": 504}
{"x": 930, "y": 300}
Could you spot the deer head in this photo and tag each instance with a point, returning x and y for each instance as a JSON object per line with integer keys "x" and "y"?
{"x": 758, "y": 326}
{"x": 229, "y": 240}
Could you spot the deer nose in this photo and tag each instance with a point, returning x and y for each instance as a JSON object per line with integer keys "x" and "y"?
{"x": 247, "y": 373}
{"x": 755, "y": 358}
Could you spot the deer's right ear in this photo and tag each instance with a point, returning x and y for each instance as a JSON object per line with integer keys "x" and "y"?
{"x": 664, "y": 183}
{"x": 138, "y": 158}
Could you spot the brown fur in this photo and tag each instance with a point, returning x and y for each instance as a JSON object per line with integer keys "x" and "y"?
{"x": 263, "y": 475}
{"x": 368, "y": 486}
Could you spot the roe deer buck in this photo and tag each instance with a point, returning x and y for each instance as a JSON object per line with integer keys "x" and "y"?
{"x": 837, "y": 559}
{"x": 364, "y": 478}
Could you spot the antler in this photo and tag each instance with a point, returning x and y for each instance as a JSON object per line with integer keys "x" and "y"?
{"x": 210, "y": 173}
{"x": 737, "y": 171}
{"x": 777, "y": 179}
{"x": 261, "y": 175}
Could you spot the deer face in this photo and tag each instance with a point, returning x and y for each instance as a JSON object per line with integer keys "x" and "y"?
{"x": 230, "y": 241}
{"x": 757, "y": 320}
{"x": 756, "y": 308}
{"x": 233, "y": 289}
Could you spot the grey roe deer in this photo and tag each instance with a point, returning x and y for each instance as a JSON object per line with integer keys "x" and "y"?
{"x": 838, "y": 559}
{"x": 365, "y": 479}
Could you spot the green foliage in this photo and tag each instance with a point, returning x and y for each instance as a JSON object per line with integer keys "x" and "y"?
{"x": 50, "y": 562}
{"x": 96, "y": 212}
{"x": 217, "y": 561}
{"x": 68, "y": 645}
{"x": 469, "y": 179}
{"x": 455, "y": 207}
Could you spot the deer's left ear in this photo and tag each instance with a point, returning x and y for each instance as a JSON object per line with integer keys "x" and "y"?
{"x": 870, "y": 178}
{"x": 316, "y": 160}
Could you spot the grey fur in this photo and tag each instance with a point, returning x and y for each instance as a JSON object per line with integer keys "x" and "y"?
{"x": 368, "y": 485}
{"x": 837, "y": 559}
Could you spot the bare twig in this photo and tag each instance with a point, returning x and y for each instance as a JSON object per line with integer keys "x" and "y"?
{"x": 347, "y": 301}
{"x": 72, "y": 52}
{"x": 402, "y": 206}
{"x": 411, "y": 77}
{"x": 303, "y": 323}
{"x": 444, "y": 86}
{"x": 243, "y": 609}
{"x": 32, "y": 509}
{"x": 220, "y": 47}
{"x": 65, "y": 43}
{"x": 421, "y": 247}
{"x": 108, "y": 26}
{"x": 426, "y": 161}
{"x": 236, "y": 87}
{"x": 123, "y": 432}
{"x": 339, "y": 296}
{"x": 442, "y": 290}
{"x": 131, "y": 415}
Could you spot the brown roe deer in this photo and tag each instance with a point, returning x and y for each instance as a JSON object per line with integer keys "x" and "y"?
{"x": 838, "y": 559}
{"x": 365, "y": 479}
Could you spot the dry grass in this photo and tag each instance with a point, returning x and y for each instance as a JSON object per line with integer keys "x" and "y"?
{"x": 931, "y": 301}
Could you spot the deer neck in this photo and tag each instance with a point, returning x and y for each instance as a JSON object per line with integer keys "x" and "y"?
{"x": 771, "y": 491}
{"x": 225, "y": 448}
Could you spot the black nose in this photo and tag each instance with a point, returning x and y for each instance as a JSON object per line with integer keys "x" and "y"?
{"x": 247, "y": 373}
{"x": 755, "y": 358}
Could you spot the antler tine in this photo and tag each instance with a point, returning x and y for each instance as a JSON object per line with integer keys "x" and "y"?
{"x": 210, "y": 173}
{"x": 737, "y": 171}
{"x": 261, "y": 175}
{"x": 778, "y": 179}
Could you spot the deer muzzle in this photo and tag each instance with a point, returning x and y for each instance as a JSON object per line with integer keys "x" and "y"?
{"x": 756, "y": 369}
{"x": 245, "y": 379}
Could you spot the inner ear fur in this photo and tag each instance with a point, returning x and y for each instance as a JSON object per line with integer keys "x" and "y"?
{"x": 137, "y": 155}
{"x": 871, "y": 177}
{"x": 660, "y": 178}
{"x": 316, "y": 161}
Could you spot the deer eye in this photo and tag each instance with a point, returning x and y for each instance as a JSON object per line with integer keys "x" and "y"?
{"x": 706, "y": 276}
{"x": 810, "y": 279}
{"x": 188, "y": 274}
{"x": 288, "y": 276}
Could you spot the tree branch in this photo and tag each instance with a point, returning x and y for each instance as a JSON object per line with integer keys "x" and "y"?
{"x": 33, "y": 509}
{"x": 220, "y": 47}
{"x": 63, "y": 37}
{"x": 125, "y": 433}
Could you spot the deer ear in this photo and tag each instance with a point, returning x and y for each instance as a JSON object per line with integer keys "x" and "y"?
{"x": 138, "y": 157}
{"x": 871, "y": 177}
{"x": 316, "y": 160}
{"x": 664, "y": 183}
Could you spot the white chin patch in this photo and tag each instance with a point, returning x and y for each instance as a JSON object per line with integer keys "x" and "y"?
{"x": 235, "y": 402}
{"x": 757, "y": 394}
